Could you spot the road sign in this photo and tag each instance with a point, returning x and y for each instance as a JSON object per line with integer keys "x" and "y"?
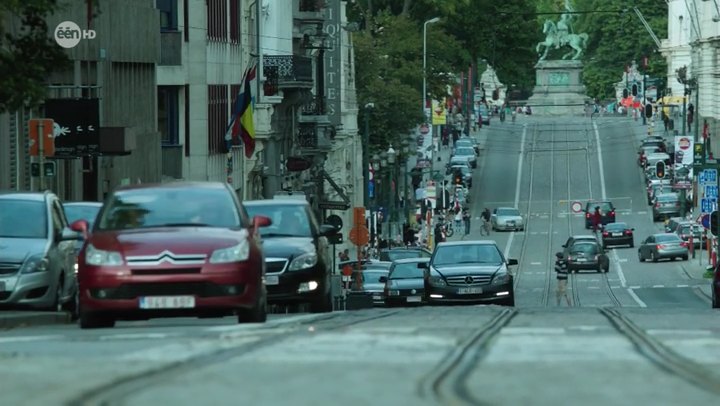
{"x": 699, "y": 153}
{"x": 48, "y": 146}
{"x": 333, "y": 205}
{"x": 49, "y": 169}
{"x": 335, "y": 221}
{"x": 708, "y": 205}
{"x": 708, "y": 177}
{"x": 715, "y": 222}
{"x": 359, "y": 235}
{"x": 576, "y": 207}
{"x": 711, "y": 192}
{"x": 705, "y": 220}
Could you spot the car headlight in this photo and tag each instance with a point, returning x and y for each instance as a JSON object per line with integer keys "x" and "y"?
{"x": 96, "y": 257}
{"x": 236, "y": 253}
{"x": 303, "y": 261}
{"x": 36, "y": 263}
{"x": 501, "y": 278}
{"x": 437, "y": 281}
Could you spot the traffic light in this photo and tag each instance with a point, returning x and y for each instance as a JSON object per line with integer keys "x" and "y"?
{"x": 634, "y": 90}
{"x": 648, "y": 110}
{"x": 715, "y": 222}
{"x": 625, "y": 93}
{"x": 458, "y": 178}
{"x": 660, "y": 170}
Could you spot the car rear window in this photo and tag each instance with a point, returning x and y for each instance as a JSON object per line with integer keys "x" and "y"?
{"x": 616, "y": 226}
{"x": 406, "y": 271}
{"x": 584, "y": 248}
{"x": 604, "y": 206}
{"x": 373, "y": 276}
{"x": 465, "y": 151}
{"x": 395, "y": 255}
{"x": 508, "y": 212}
{"x": 667, "y": 238}
{"x": 667, "y": 198}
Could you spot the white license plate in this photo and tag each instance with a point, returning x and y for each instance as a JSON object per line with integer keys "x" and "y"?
{"x": 167, "y": 302}
{"x": 581, "y": 260}
{"x": 377, "y": 297}
{"x": 272, "y": 280}
{"x": 414, "y": 299}
{"x": 617, "y": 234}
{"x": 470, "y": 291}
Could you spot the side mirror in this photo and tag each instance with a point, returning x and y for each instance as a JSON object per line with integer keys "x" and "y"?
{"x": 70, "y": 235}
{"x": 261, "y": 221}
{"x": 383, "y": 279}
{"x": 422, "y": 265}
{"x": 564, "y": 245}
{"x": 632, "y": 229}
{"x": 80, "y": 226}
{"x": 512, "y": 262}
{"x": 327, "y": 230}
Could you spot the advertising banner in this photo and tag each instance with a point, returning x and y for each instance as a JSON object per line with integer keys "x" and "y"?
{"x": 439, "y": 113}
{"x": 683, "y": 162}
{"x": 77, "y": 126}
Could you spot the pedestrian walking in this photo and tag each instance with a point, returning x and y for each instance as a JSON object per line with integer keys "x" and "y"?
{"x": 562, "y": 278}
{"x": 596, "y": 219}
{"x": 466, "y": 220}
{"x": 485, "y": 216}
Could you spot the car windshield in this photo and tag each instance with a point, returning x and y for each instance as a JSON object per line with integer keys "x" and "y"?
{"x": 585, "y": 248}
{"x": 616, "y": 227}
{"x": 23, "y": 219}
{"x": 406, "y": 271}
{"x": 464, "y": 151}
{"x": 77, "y": 212}
{"x": 667, "y": 238}
{"x": 467, "y": 254}
{"x": 288, "y": 220}
{"x": 169, "y": 207}
{"x": 686, "y": 229}
{"x": 508, "y": 212}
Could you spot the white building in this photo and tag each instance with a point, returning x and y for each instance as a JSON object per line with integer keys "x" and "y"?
{"x": 676, "y": 48}
{"x": 203, "y": 58}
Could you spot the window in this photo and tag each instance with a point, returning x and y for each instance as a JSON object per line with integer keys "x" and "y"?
{"x": 217, "y": 20}
{"x": 168, "y": 14}
{"x": 217, "y": 118}
{"x": 311, "y": 5}
{"x": 290, "y": 220}
{"x": 187, "y": 120}
{"x": 235, "y": 21}
{"x": 186, "y": 21}
{"x": 23, "y": 219}
{"x": 167, "y": 101}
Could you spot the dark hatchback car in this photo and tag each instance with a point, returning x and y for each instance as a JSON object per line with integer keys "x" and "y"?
{"x": 607, "y": 209}
{"x": 298, "y": 266}
{"x": 406, "y": 282}
{"x": 397, "y": 253}
{"x": 618, "y": 234}
{"x": 374, "y": 275}
{"x": 587, "y": 256}
{"x": 469, "y": 271}
{"x": 169, "y": 250}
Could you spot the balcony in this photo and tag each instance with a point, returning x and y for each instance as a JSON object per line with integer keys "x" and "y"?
{"x": 172, "y": 160}
{"x": 171, "y": 48}
{"x": 314, "y": 137}
{"x": 287, "y": 72}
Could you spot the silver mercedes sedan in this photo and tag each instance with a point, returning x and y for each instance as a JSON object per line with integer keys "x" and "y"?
{"x": 507, "y": 218}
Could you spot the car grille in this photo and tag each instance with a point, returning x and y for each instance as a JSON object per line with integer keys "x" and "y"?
{"x": 166, "y": 271}
{"x": 275, "y": 266}
{"x": 9, "y": 268}
{"x": 463, "y": 280}
{"x": 135, "y": 290}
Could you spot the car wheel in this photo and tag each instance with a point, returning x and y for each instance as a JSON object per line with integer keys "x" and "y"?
{"x": 95, "y": 320}
{"x": 715, "y": 301}
{"x": 258, "y": 314}
{"x": 640, "y": 257}
{"x": 653, "y": 258}
{"x": 509, "y": 302}
{"x": 58, "y": 304}
{"x": 685, "y": 257}
{"x": 322, "y": 304}
{"x": 632, "y": 245}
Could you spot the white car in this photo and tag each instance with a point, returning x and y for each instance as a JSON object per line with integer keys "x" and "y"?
{"x": 507, "y": 218}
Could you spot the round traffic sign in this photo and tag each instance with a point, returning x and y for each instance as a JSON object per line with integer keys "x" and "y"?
{"x": 576, "y": 207}
{"x": 335, "y": 221}
{"x": 705, "y": 220}
{"x": 359, "y": 235}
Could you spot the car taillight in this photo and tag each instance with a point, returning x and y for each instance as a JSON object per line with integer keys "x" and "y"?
{"x": 657, "y": 205}
{"x": 587, "y": 215}
{"x": 628, "y": 232}
{"x": 605, "y": 233}
{"x": 660, "y": 246}
{"x": 597, "y": 257}
{"x": 684, "y": 244}
{"x": 569, "y": 258}
{"x": 612, "y": 213}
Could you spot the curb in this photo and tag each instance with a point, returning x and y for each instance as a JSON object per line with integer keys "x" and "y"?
{"x": 16, "y": 320}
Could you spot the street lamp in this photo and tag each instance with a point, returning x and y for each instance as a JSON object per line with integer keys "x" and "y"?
{"x": 405, "y": 153}
{"x": 373, "y": 212}
{"x": 424, "y": 90}
{"x": 392, "y": 155}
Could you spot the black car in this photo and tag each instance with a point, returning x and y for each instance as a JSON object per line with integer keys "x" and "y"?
{"x": 406, "y": 282}
{"x": 374, "y": 275}
{"x": 297, "y": 265}
{"x": 587, "y": 256}
{"x": 577, "y": 239}
{"x": 397, "y": 253}
{"x": 607, "y": 210}
{"x": 469, "y": 271}
{"x": 618, "y": 234}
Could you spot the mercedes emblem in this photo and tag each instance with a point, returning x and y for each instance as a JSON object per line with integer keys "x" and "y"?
{"x": 469, "y": 280}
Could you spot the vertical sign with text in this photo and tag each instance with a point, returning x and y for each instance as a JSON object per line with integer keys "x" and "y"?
{"x": 333, "y": 61}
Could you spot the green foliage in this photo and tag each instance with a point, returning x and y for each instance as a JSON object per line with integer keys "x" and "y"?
{"x": 618, "y": 39}
{"x": 28, "y": 54}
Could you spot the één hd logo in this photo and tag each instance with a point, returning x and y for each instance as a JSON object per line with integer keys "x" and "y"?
{"x": 68, "y": 34}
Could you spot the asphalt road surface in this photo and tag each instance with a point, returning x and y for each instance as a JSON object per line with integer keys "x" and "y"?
{"x": 642, "y": 334}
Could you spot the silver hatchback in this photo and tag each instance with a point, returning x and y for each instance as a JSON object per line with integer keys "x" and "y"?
{"x": 666, "y": 205}
{"x": 37, "y": 254}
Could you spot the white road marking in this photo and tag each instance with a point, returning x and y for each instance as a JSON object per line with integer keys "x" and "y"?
{"x": 683, "y": 286}
{"x": 532, "y": 330}
{"x": 544, "y": 216}
{"x": 594, "y": 280}
{"x": 22, "y": 339}
{"x": 615, "y": 287}
{"x": 517, "y": 186}
{"x": 658, "y": 286}
{"x": 600, "y": 162}
{"x": 679, "y": 332}
{"x": 642, "y": 212}
{"x": 635, "y": 287}
{"x": 622, "y": 260}
{"x": 138, "y": 336}
{"x": 535, "y": 263}
{"x": 544, "y": 233}
{"x": 593, "y": 287}
{"x": 279, "y": 321}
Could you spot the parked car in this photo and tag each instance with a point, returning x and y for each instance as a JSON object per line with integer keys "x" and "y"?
{"x": 398, "y": 253}
{"x": 374, "y": 276}
{"x": 507, "y": 218}
{"x": 468, "y": 154}
{"x": 666, "y": 205}
{"x": 87, "y": 211}
{"x": 406, "y": 282}
{"x": 618, "y": 234}
{"x": 587, "y": 255}
{"x": 461, "y": 175}
{"x": 37, "y": 252}
{"x": 173, "y": 249}
{"x": 686, "y": 229}
{"x": 607, "y": 209}
{"x": 296, "y": 253}
{"x": 665, "y": 245}
{"x": 469, "y": 271}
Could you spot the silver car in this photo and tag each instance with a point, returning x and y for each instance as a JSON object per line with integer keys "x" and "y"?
{"x": 37, "y": 252}
{"x": 665, "y": 245}
{"x": 507, "y": 218}
{"x": 468, "y": 153}
{"x": 666, "y": 205}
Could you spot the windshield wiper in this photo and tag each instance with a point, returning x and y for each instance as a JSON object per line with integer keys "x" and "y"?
{"x": 179, "y": 225}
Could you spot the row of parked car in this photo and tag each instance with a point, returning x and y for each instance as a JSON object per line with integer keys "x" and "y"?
{"x": 175, "y": 249}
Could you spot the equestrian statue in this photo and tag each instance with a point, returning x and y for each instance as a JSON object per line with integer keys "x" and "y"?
{"x": 561, "y": 35}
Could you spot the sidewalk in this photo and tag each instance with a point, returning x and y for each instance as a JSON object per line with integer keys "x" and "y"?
{"x": 13, "y": 319}
{"x": 695, "y": 271}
